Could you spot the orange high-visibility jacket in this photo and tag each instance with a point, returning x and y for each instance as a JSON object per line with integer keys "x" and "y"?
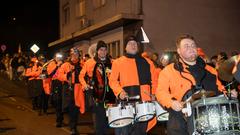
{"x": 27, "y": 73}
{"x": 155, "y": 77}
{"x": 124, "y": 73}
{"x": 47, "y": 85}
{"x": 88, "y": 68}
{"x": 34, "y": 72}
{"x": 50, "y": 68}
{"x": 171, "y": 85}
{"x": 78, "y": 92}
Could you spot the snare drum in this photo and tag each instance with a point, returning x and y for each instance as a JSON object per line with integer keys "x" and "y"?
{"x": 216, "y": 115}
{"x": 162, "y": 115}
{"x": 120, "y": 116}
{"x": 144, "y": 111}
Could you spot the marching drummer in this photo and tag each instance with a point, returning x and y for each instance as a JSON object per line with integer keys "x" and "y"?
{"x": 95, "y": 74}
{"x": 178, "y": 81}
{"x": 132, "y": 75}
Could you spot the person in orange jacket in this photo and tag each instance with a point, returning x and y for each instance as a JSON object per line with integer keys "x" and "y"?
{"x": 39, "y": 98}
{"x": 95, "y": 71}
{"x": 45, "y": 85}
{"x": 72, "y": 92}
{"x": 31, "y": 83}
{"x": 56, "y": 87}
{"x": 132, "y": 75}
{"x": 179, "y": 80}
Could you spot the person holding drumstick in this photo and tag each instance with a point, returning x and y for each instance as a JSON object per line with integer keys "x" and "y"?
{"x": 132, "y": 75}
{"x": 178, "y": 81}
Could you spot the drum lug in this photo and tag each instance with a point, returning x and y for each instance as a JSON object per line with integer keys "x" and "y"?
{"x": 187, "y": 110}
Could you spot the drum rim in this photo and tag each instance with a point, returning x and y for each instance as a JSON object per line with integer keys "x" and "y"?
{"x": 131, "y": 118}
{"x": 213, "y": 101}
{"x": 117, "y": 105}
{"x": 141, "y": 102}
{"x": 137, "y": 119}
{"x": 161, "y": 115}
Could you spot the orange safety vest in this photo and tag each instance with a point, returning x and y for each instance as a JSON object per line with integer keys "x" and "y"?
{"x": 124, "y": 73}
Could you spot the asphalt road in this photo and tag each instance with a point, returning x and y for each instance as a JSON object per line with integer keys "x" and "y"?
{"x": 18, "y": 118}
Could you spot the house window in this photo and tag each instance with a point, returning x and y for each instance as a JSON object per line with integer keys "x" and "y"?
{"x": 80, "y": 8}
{"x": 114, "y": 49}
{"x": 66, "y": 14}
{"x": 99, "y": 3}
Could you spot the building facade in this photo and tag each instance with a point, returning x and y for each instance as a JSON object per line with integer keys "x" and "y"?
{"x": 214, "y": 23}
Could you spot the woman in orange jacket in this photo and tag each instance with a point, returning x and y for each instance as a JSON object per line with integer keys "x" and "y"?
{"x": 132, "y": 75}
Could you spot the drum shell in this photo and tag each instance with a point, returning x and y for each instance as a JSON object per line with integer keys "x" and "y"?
{"x": 216, "y": 115}
{"x": 161, "y": 114}
{"x": 145, "y": 111}
{"x": 120, "y": 116}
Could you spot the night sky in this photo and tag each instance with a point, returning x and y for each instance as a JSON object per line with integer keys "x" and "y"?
{"x": 28, "y": 22}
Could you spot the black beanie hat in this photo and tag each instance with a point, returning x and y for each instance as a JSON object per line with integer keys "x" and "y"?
{"x": 130, "y": 38}
{"x": 101, "y": 44}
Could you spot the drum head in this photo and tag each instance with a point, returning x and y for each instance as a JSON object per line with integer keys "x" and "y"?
{"x": 145, "y": 118}
{"x": 163, "y": 117}
{"x": 121, "y": 122}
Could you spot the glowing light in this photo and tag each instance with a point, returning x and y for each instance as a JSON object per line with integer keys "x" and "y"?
{"x": 35, "y": 48}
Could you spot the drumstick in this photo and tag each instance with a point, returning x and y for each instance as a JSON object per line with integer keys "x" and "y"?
{"x": 133, "y": 97}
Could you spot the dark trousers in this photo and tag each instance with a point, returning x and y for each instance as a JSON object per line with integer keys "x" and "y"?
{"x": 138, "y": 128}
{"x": 43, "y": 102}
{"x": 178, "y": 124}
{"x": 73, "y": 112}
{"x": 35, "y": 102}
{"x": 68, "y": 105}
{"x": 42, "y": 97}
{"x": 57, "y": 100}
{"x": 100, "y": 119}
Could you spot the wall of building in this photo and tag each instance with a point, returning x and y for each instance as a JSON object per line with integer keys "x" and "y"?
{"x": 95, "y": 14}
{"x": 214, "y": 23}
{"x": 112, "y": 8}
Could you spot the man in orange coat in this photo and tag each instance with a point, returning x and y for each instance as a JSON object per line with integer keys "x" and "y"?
{"x": 72, "y": 92}
{"x": 96, "y": 71}
{"x": 178, "y": 81}
{"x": 132, "y": 75}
